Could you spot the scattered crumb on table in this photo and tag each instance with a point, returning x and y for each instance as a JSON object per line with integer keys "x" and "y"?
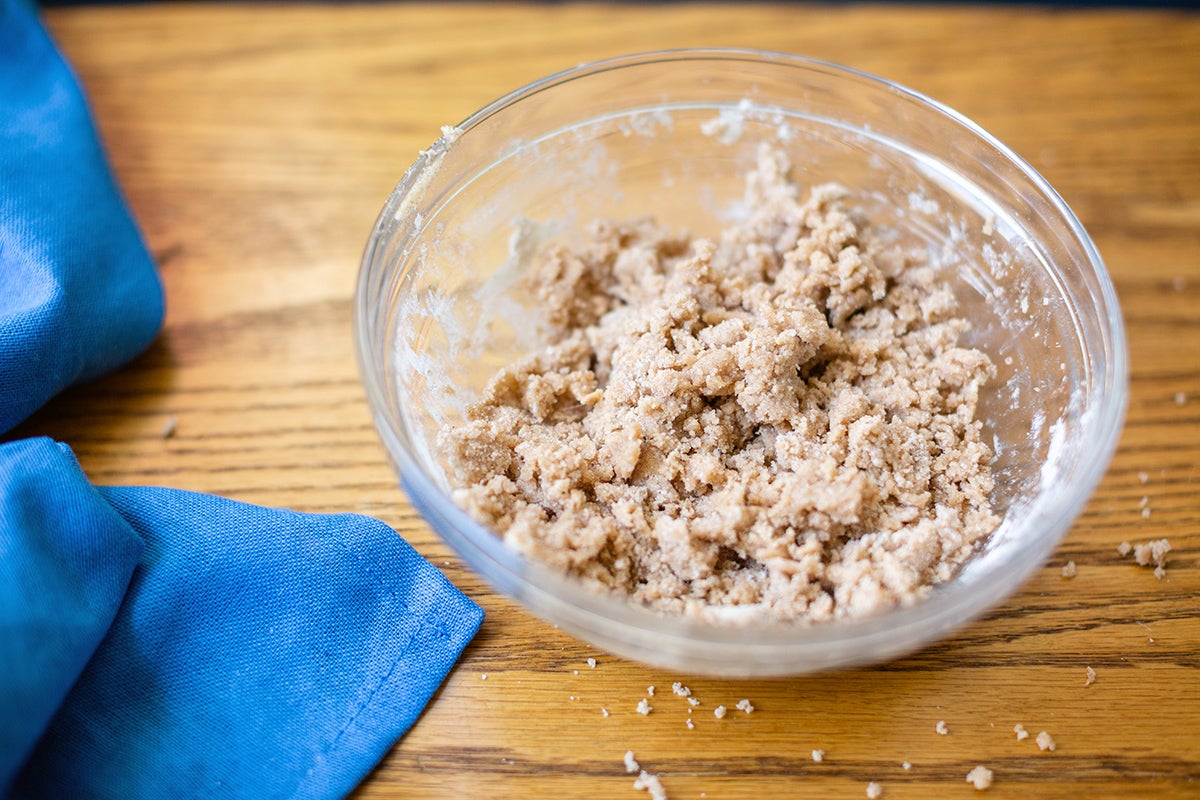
{"x": 650, "y": 783}
{"x": 690, "y": 724}
{"x": 980, "y": 777}
{"x": 1020, "y": 731}
{"x": 591, "y": 662}
{"x": 818, "y": 756}
{"x": 1046, "y": 742}
{"x": 941, "y": 727}
{"x": 1090, "y": 677}
{"x": 644, "y": 707}
{"x": 719, "y": 712}
{"x": 650, "y": 691}
{"x": 483, "y": 676}
{"x": 604, "y": 712}
{"x": 631, "y": 764}
{"x": 1153, "y": 552}
{"x": 693, "y": 702}
{"x": 906, "y": 766}
{"x": 1069, "y": 570}
{"x": 168, "y": 429}
{"x": 874, "y": 790}
{"x": 1124, "y": 547}
{"x": 1181, "y": 398}
{"x": 745, "y": 705}
{"x": 679, "y": 689}
{"x": 1144, "y": 477}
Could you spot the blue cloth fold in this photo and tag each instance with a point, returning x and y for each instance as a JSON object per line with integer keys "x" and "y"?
{"x": 156, "y": 642}
{"x": 79, "y": 295}
{"x": 254, "y": 652}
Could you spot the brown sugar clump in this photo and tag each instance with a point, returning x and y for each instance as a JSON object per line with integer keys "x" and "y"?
{"x": 777, "y": 423}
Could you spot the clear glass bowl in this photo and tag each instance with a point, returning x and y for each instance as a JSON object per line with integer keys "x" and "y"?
{"x": 672, "y": 134}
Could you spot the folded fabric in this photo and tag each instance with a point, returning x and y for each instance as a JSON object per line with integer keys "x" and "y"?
{"x": 79, "y": 295}
{"x": 256, "y": 652}
{"x": 155, "y": 642}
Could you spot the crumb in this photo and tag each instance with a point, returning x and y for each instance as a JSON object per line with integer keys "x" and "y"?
{"x": 692, "y": 701}
{"x": 644, "y": 707}
{"x": 679, "y": 689}
{"x": 1020, "y": 731}
{"x": 574, "y": 672}
{"x": 690, "y": 724}
{"x": 906, "y": 766}
{"x": 1046, "y": 742}
{"x": 874, "y": 790}
{"x": 1145, "y": 501}
{"x": 795, "y": 389}
{"x": 1143, "y": 477}
{"x": 1152, "y": 552}
{"x": 818, "y": 756}
{"x": 980, "y": 777}
{"x": 1146, "y": 513}
{"x": 941, "y": 727}
{"x": 719, "y": 712}
{"x": 1089, "y": 677}
{"x": 591, "y": 662}
{"x": 604, "y": 712}
{"x": 1069, "y": 570}
{"x": 651, "y": 784}
{"x": 483, "y": 676}
{"x": 989, "y": 225}
{"x": 1181, "y": 398}
{"x": 650, "y": 691}
{"x": 744, "y": 705}
{"x": 168, "y": 428}
{"x": 1124, "y": 547}
{"x": 631, "y": 764}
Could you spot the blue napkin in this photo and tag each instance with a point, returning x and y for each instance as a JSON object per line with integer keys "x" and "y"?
{"x": 155, "y": 642}
{"x": 79, "y": 295}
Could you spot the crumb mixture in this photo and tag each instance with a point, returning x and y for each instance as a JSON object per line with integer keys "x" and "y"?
{"x": 650, "y": 783}
{"x": 980, "y": 777}
{"x": 1046, "y": 742}
{"x": 779, "y": 422}
{"x": 1020, "y": 731}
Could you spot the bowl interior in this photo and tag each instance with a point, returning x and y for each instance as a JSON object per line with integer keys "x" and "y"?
{"x": 673, "y": 136}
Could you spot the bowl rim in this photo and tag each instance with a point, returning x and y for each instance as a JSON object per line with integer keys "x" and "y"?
{"x": 887, "y": 634}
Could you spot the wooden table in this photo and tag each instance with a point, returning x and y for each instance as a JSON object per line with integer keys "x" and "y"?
{"x": 256, "y": 145}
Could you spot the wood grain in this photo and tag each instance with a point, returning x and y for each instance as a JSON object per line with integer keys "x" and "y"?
{"x": 256, "y": 145}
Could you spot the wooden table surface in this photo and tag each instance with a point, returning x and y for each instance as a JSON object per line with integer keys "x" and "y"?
{"x": 256, "y": 145}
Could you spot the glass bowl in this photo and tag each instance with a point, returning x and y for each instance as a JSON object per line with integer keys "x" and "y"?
{"x": 438, "y": 307}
